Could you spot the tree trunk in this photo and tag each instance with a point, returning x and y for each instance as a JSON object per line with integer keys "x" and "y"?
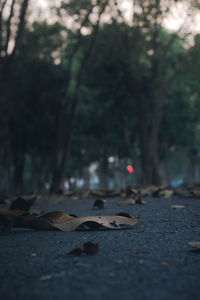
{"x": 62, "y": 153}
{"x": 102, "y": 173}
{"x": 19, "y": 163}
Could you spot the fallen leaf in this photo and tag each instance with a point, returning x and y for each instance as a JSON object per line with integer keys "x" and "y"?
{"x": 148, "y": 190}
{"x": 57, "y": 216}
{"x": 130, "y": 191}
{"x": 131, "y": 201}
{"x": 64, "y": 222}
{"x": 45, "y": 222}
{"x": 99, "y": 203}
{"x": 139, "y": 201}
{"x": 14, "y": 212}
{"x": 126, "y": 202}
{"x": 194, "y": 245}
{"x": 166, "y": 193}
{"x": 172, "y": 207}
{"x": 88, "y": 248}
{"x": 95, "y": 222}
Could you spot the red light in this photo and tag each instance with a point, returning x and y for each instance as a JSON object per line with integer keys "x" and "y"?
{"x": 130, "y": 169}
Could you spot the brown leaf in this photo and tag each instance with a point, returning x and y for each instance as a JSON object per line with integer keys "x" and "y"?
{"x": 110, "y": 222}
{"x": 88, "y": 248}
{"x": 166, "y": 193}
{"x": 130, "y": 191}
{"x": 99, "y": 203}
{"x": 194, "y": 245}
{"x": 139, "y": 201}
{"x": 15, "y": 212}
{"x": 57, "y": 217}
{"x": 33, "y": 222}
{"x": 131, "y": 201}
{"x": 126, "y": 202}
{"x": 172, "y": 207}
{"x": 148, "y": 190}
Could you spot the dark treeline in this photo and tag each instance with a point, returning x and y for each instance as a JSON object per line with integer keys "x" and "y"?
{"x": 79, "y": 103}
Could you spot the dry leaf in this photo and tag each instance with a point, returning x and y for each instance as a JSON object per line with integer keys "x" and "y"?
{"x": 57, "y": 216}
{"x": 176, "y": 207}
{"x": 139, "y": 201}
{"x": 15, "y": 212}
{"x": 64, "y": 222}
{"x": 194, "y": 245}
{"x": 131, "y": 201}
{"x": 99, "y": 203}
{"x": 126, "y": 202}
{"x": 148, "y": 190}
{"x": 94, "y": 222}
{"x": 131, "y": 191}
{"x": 88, "y": 248}
{"x": 33, "y": 222}
{"x": 166, "y": 193}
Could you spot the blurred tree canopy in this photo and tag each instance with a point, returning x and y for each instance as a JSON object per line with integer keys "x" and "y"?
{"x": 97, "y": 89}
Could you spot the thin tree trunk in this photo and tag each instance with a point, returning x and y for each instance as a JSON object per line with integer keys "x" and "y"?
{"x": 19, "y": 172}
{"x": 102, "y": 173}
{"x": 62, "y": 155}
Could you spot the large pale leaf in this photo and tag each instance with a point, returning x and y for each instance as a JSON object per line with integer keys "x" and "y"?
{"x": 110, "y": 222}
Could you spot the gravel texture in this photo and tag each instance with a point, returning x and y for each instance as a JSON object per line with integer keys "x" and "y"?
{"x": 152, "y": 261}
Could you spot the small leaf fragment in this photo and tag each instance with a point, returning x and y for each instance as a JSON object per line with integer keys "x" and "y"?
{"x": 194, "y": 245}
{"x": 99, "y": 203}
{"x": 58, "y": 216}
{"x": 88, "y": 248}
{"x": 14, "y": 212}
{"x": 172, "y": 207}
{"x": 131, "y": 201}
{"x": 166, "y": 193}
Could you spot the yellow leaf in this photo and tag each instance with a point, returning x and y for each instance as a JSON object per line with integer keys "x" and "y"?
{"x": 14, "y": 212}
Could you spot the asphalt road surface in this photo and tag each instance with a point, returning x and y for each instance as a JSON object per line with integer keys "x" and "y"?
{"x": 151, "y": 261}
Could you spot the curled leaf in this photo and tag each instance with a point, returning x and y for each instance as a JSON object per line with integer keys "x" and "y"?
{"x": 172, "y": 207}
{"x": 194, "y": 245}
{"x": 130, "y": 191}
{"x": 99, "y": 203}
{"x": 126, "y": 202}
{"x": 95, "y": 222}
{"x": 14, "y": 212}
{"x": 166, "y": 193}
{"x": 57, "y": 216}
{"x": 131, "y": 201}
